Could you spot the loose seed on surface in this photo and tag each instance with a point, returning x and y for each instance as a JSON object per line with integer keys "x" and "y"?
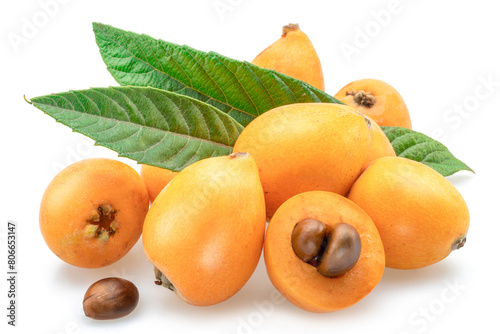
{"x": 110, "y": 298}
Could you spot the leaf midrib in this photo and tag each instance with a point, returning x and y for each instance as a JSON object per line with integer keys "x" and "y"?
{"x": 165, "y": 132}
{"x": 425, "y": 143}
{"x": 154, "y": 69}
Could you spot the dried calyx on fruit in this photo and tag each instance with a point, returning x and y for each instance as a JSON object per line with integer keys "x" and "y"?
{"x": 102, "y": 223}
{"x": 333, "y": 251}
{"x": 163, "y": 280}
{"x": 362, "y": 98}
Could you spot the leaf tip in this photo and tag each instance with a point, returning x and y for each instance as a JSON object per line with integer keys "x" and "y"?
{"x": 96, "y": 25}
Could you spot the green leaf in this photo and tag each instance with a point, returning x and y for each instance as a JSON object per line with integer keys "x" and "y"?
{"x": 238, "y": 88}
{"x": 148, "y": 125}
{"x": 419, "y": 147}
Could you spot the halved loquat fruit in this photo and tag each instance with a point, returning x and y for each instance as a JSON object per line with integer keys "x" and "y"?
{"x": 323, "y": 252}
{"x": 92, "y": 212}
{"x": 378, "y": 100}
{"x": 420, "y": 215}
{"x": 205, "y": 230}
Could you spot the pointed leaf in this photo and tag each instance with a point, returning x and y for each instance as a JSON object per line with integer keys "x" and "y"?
{"x": 419, "y": 147}
{"x": 238, "y": 88}
{"x": 148, "y": 125}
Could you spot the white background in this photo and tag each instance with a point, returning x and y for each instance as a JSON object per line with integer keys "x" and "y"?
{"x": 438, "y": 54}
